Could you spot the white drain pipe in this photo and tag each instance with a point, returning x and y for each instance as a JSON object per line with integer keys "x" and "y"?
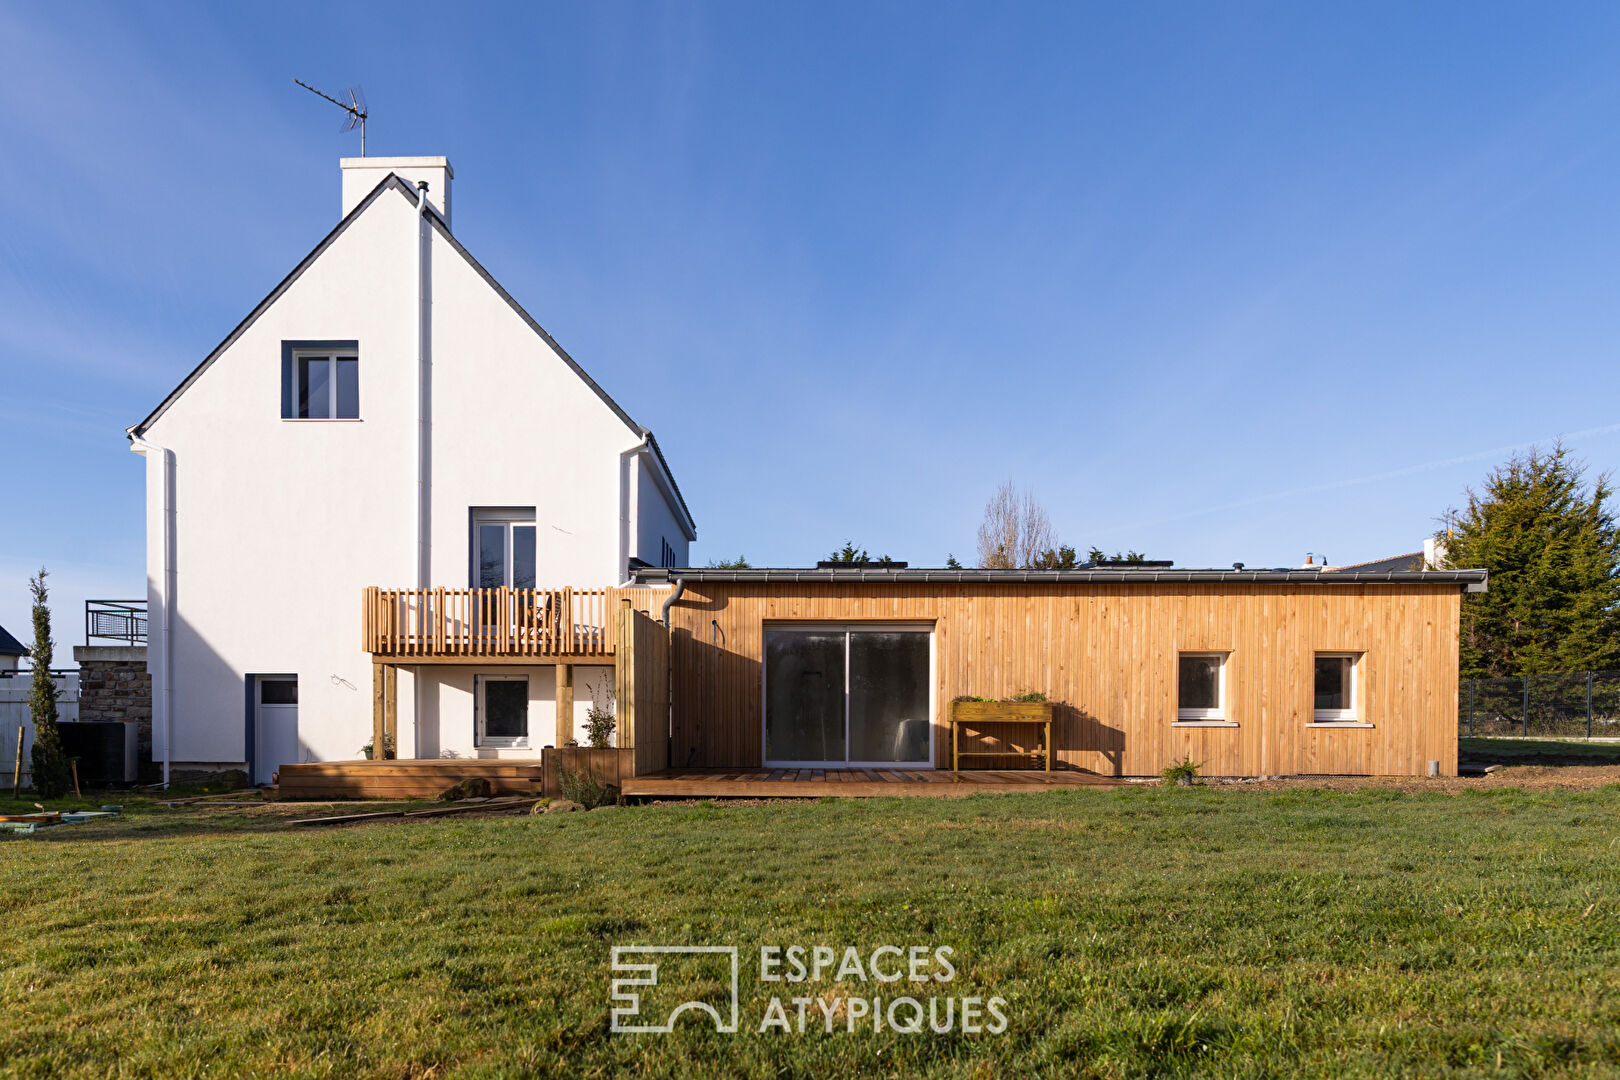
{"x": 165, "y": 623}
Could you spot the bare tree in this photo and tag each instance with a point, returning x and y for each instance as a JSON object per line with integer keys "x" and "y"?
{"x": 1015, "y": 532}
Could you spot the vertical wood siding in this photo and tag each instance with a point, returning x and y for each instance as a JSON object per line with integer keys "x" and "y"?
{"x": 1106, "y": 654}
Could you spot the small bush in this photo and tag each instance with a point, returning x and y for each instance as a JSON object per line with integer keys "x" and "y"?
{"x": 1183, "y": 773}
{"x": 1029, "y": 696}
{"x": 599, "y": 727}
{"x": 585, "y": 787}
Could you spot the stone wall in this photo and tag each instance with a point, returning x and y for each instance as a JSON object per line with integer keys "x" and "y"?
{"x": 114, "y": 685}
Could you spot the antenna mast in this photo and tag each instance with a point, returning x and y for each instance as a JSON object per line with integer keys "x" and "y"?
{"x": 355, "y": 107}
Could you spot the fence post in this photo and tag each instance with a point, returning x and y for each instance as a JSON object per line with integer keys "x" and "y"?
{"x": 1527, "y": 706}
{"x": 1472, "y": 684}
{"x": 1588, "y": 704}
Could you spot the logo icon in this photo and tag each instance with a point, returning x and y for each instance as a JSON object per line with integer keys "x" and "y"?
{"x": 636, "y": 970}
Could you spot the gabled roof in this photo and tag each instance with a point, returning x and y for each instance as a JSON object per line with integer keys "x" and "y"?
{"x": 10, "y": 646}
{"x": 394, "y": 183}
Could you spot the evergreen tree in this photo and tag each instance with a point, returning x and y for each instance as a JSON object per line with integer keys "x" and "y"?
{"x": 52, "y": 776}
{"x": 1551, "y": 545}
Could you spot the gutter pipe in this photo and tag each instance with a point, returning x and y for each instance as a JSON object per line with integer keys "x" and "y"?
{"x": 165, "y": 623}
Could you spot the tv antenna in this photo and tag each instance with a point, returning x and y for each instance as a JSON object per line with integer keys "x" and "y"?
{"x": 355, "y": 107}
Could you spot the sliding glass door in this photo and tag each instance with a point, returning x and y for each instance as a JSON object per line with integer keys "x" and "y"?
{"x": 838, "y": 695}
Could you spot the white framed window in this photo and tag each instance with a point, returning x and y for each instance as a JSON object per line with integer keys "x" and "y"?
{"x": 1337, "y": 699}
{"x": 502, "y": 706}
{"x": 503, "y": 547}
{"x": 1201, "y": 689}
{"x": 320, "y": 384}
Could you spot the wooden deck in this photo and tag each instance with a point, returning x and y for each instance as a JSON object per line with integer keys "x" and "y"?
{"x": 851, "y": 783}
{"x": 425, "y": 778}
{"x": 407, "y": 779}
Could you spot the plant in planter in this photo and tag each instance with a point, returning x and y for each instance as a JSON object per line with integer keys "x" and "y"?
{"x": 601, "y": 720}
{"x": 971, "y": 715}
{"x": 1182, "y": 773}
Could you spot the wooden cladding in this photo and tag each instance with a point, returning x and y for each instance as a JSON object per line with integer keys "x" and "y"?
{"x": 641, "y": 689}
{"x": 451, "y": 624}
{"x": 1106, "y": 658}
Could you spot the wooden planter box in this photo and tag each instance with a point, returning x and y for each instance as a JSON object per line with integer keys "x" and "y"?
{"x": 1001, "y": 729}
{"x": 610, "y": 765}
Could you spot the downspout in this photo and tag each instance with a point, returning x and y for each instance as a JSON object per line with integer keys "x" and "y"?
{"x": 424, "y": 494}
{"x": 165, "y": 625}
{"x": 675, "y": 594}
{"x": 669, "y": 679}
{"x": 626, "y": 463}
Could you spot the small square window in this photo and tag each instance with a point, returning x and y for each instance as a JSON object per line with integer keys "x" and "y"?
{"x": 1201, "y": 687}
{"x": 319, "y": 382}
{"x": 1336, "y": 688}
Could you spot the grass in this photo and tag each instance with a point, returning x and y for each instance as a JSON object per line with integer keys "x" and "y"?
{"x": 1133, "y": 932}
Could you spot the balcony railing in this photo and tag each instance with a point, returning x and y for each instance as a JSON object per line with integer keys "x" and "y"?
{"x": 115, "y": 620}
{"x": 449, "y": 623}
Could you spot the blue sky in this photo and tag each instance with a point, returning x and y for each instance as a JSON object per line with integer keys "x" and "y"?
{"x": 1217, "y": 282}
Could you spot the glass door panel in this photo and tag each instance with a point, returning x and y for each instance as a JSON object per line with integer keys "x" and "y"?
{"x": 804, "y": 695}
{"x": 888, "y": 696}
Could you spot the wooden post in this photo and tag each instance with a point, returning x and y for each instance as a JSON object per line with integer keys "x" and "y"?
{"x": 74, "y": 765}
{"x": 624, "y": 675}
{"x": 390, "y": 711}
{"x": 16, "y": 774}
{"x": 377, "y": 695}
{"x": 565, "y": 704}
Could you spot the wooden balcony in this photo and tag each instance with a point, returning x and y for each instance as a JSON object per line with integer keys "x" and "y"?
{"x": 448, "y": 626}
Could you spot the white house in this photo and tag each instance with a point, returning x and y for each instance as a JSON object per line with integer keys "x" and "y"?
{"x": 388, "y": 416}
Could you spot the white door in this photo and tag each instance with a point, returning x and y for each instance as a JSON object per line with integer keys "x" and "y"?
{"x": 276, "y": 725}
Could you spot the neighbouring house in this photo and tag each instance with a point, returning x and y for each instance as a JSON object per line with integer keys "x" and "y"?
{"x": 388, "y": 416}
{"x": 11, "y": 651}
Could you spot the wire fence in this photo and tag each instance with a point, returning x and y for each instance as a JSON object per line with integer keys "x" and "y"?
{"x": 1582, "y": 704}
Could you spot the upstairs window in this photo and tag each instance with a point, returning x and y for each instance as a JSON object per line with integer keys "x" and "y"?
{"x": 1201, "y": 687}
{"x": 666, "y": 554}
{"x": 1336, "y": 688}
{"x": 320, "y": 381}
{"x": 503, "y": 552}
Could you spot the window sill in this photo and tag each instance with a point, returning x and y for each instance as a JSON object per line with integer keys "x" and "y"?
{"x": 320, "y": 419}
{"x": 1340, "y": 723}
{"x": 1203, "y": 723}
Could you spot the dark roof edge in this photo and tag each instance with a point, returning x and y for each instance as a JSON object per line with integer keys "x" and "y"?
{"x": 275, "y": 294}
{"x": 10, "y": 646}
{"x": 1473, "y": 580}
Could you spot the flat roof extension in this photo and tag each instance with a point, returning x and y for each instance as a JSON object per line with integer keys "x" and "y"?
{"x": 1473, "y": 581}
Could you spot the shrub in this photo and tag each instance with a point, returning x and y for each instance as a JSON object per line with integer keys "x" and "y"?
{"x": 1183, "y": 773}
{"x": 52, "y": 769}
{"x": 599, "y": 727}
{"x": 1029, "y": 696}
{"x": 585, "y": 787}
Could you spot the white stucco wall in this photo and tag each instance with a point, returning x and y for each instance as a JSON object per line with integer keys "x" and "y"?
{"x": 655, "y": 518}
{"x": 279, "y": 524}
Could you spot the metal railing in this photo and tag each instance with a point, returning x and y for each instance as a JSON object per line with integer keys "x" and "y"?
{"x": 115, "y": 620}
{"x": 1580, "y": 704}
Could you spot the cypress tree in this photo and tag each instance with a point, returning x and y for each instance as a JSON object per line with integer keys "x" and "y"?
{"x": 1550, "y": 542}
{"x": 52, "y": 776}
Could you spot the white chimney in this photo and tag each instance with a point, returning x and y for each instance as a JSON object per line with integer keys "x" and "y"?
{"x": 362, "y": 174}
{"x": 1434, "y": 553}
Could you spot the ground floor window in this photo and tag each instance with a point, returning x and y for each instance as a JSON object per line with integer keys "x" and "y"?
{"x": 1201, "y": 687}
{"x": 839, "y": 695}
{"x": 1336, "y": 688}
{"x": 502, "y": 707}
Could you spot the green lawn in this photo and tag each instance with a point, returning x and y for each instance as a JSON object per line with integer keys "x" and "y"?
{"x": 1133, "y": 932}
